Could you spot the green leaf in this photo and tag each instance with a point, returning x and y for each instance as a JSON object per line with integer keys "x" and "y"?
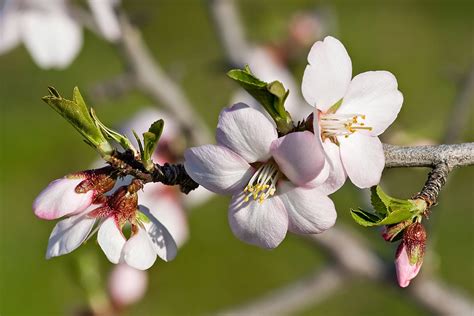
{"x": 111, "y": 134}
{"x": 77, "y": 114}
{"x": 271, "y": 96}
{"x": 150, "y": 141}
{"x": 387, "y": 210}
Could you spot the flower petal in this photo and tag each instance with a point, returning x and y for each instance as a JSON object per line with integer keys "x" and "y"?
{"x": 246, "y": 131}
{"x": 161, "y": 239}
{"x": 167, "y": 209}
{"x": 337, "y": 175}
{"x": 261, "y": 224}
{"x": 138, "y": 251}
{"x": 327, "y": 76}
{"x": 363, "y": 159}
{"x": 309, "y": 210}
{"x": 217, "y": 168}
{"x": 375, "y": 95}
{"x": 59, "y": 198}
{"x": 299, "y": 155}
{"x": 52, "y": 38}
{"x": 69, "y": 234}
{"x": 405, "y": 271}
{"x": 111, "y": 240}
{"x": 126, "y": 285}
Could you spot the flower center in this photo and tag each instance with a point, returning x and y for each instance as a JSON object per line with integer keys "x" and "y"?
{"x": 333, "y": 124}
{"x": 263, "y": 183}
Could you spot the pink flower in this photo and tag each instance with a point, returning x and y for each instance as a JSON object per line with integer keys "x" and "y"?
{"x": 350, "y": 114}
{"x": 126, "y": 285}
{"x": 406, "y": 271}
{"x": 270, "y": 178}
{"x": 149, "y": 238}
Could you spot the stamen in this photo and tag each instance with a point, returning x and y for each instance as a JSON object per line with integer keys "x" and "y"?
{"x": 263, "y": 183}
{"x": 333, "y": 124}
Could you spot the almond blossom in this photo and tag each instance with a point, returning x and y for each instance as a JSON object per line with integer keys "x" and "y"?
{"x": 405, "y": 270}
{"x": 126, "y": 285}
{"x": 271, "y": 178}
{"x": 87, "y": 208}
{"x": 349, "y": 114}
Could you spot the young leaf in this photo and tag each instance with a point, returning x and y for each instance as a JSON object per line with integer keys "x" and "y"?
{"x": 77, "y": 114}
{"x": 150, "y": 141}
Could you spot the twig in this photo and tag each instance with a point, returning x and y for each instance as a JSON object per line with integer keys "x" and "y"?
{"x": 226, "y": 20}
{"x": 153, "y": 81}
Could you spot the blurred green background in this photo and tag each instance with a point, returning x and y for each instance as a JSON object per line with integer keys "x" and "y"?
{"x": 426, "y": 44}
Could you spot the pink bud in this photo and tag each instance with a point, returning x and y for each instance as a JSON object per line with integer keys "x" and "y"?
{"x": 127, "y": 285}
{"x": 405, "y": 270}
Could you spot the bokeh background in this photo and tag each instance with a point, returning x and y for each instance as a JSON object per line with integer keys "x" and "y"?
{"x": 428, "y": 45}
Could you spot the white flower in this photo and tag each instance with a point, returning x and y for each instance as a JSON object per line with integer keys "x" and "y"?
{"x": 269, "y": 177}
{"x": 48, "y": 31}
{"x": 370, "y": 103}
{"x": 104, "y": 14}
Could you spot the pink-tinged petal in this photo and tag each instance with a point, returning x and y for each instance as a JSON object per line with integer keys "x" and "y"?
{"x": 337, "y": 175}
{"x": 52, "y": 38}
{"x": 363, "y": 159}
{"x": 138, "y": 251}
{"x": 111, "y": 240}
{"x": 126, "y": 285}
{"x": 69, "y": 234}
{"x": 299, "y": 155}
{"x": 161, "y": 239}
{"x": 167, "y": 209}
{"x": 405, "y": 271}
{"x": 106, "y": 18}
{"x": 246, "y": 131}
{"x": 373, "y": 94}
{"x": 328, "y": 74}
{"x": 9, "y": 30}
{"x": 261, "y": 224}
{"x": 59, "y": 198}
{"x": 217, "y": 168}
{"x": 309, "y": 210}
{"x": 321, "y": 178}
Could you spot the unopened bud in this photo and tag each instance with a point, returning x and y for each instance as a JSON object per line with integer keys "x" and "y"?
{"x": 410, "y": 253}
{"x": 126, "y": 285}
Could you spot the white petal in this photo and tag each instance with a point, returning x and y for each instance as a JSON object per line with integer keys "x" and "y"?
{"x": 363, "y": 159}
{"x": 9, "y": 29}
{"x": 161, "y": 239}
{"x": 138, "y": 251}
{"x": 111, "y": 240}
{"x": 246, "y": 131}
{"x": 53, "y": 39}
{"x": 59, "y": 198}
{"x": 327, "y": 77}
{"x": 69, "y": 234}
{"x": 309, "y": 210}
{"x": 106, "y": 18}
{"x": 168, "y": 210}
{"x": 337, "y": 175}
{"x": 217, "y": 168}
{"x": 374, "y": 94}
{"x": 264, "y": 225}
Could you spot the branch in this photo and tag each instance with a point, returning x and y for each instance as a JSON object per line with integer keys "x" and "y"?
{"x": 456, "y": 155}
{"x": 154, "y": 82}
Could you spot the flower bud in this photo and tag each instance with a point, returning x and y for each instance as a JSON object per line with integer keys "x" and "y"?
{"x": 126, "y": 285}
{"x": 410, "y": 253}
